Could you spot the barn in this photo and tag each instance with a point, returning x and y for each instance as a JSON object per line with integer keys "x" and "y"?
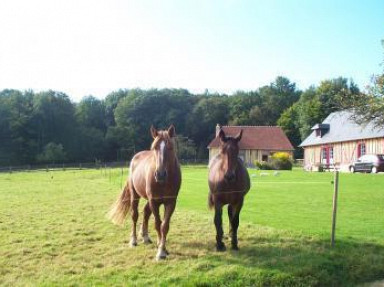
{"x": 258, "y": 143}
{"x": 339, "y": 140}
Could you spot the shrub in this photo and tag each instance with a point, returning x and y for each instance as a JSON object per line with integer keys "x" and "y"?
{"x": 284, "y": 156}
{"x": 257, "y": 164}
{"x": 263, "y": 165}
{"x": 266, "y": 166}
{"x": 281, "y": 161}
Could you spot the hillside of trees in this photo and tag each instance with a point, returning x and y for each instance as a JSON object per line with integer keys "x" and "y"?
{"x": 48, "y": 127}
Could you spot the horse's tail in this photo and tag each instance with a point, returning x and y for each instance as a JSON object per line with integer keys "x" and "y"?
{"x": 210, "y": 200}
{"x": 120, "y": 208}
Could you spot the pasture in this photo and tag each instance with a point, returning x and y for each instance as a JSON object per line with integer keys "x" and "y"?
{"x": 53, "y": 232}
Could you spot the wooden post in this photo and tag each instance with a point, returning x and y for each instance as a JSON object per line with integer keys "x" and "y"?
{"x": 334, "y": 210}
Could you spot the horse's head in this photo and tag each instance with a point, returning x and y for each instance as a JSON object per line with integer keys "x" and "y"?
{"x": 229, "y": 150}
{"x": 163, "y": 149}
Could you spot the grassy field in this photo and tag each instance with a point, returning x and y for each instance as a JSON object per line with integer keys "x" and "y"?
{"x": 53, "y": 232}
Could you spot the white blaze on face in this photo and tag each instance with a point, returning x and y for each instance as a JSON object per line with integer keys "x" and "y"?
{"x": 161, "y": 155}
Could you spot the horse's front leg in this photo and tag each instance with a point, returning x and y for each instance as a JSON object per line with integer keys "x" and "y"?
{"x": 134, "y": 216}
{"x": 220, "y": 246}
{"x": 156, "y": 214}
{"x": 144, "y": 228}
{"x": 234, "y": 219}
{"x": 169, "y": 208}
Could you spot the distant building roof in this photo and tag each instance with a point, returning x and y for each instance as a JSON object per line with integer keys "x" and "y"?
{"x": 342, "y": 128}
{"x": 257, "y": 137}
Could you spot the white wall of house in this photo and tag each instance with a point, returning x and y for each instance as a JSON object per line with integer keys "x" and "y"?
{"x": 343, "y": 153}
{"x": 250, "y": 156}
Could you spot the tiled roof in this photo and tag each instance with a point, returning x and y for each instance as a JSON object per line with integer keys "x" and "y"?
{"x": 257, "y": 137}
{"x": 343, "y": 128}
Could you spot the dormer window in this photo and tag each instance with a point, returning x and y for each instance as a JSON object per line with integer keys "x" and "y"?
{"x": 320, "y": 129}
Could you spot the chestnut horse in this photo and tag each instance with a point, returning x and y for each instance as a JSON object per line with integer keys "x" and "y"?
{"x": 228, "y": 182}
{"x": 155, "y": 176}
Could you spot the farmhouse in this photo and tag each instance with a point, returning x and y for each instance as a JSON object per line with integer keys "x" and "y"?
{"x": 258, "y": 143}
{"x": 339, "y": 140}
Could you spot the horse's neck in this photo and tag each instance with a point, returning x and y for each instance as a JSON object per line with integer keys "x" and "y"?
{"x": 172, "y": 161}
{"x": 223, "y": 161}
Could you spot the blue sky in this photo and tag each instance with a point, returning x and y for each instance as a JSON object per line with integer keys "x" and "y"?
{"x": 93, "y": 47}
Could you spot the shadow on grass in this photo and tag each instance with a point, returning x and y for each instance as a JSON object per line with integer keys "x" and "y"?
{"x": 290, "y": 261}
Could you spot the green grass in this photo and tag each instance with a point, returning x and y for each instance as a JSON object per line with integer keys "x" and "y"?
{"x": 53, "y": 232}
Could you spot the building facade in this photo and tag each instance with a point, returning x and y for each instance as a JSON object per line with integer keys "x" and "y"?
{"x": 339, "y": 141}
{"x": 258, "y": 143}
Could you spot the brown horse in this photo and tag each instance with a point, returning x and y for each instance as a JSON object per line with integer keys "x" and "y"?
{"x": 228, "y": 182}
{"x": 155, "y": 176}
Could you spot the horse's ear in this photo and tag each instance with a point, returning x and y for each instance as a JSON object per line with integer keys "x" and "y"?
{"x": 171, "y": 131}
{"x": 153, "y": 132}
{"x": 222, "y": 136}
{"x": 239, "y": 135}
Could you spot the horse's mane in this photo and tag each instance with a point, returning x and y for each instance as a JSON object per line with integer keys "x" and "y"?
{"x": 213, "y": 160}
{"x": 162, "y": 135}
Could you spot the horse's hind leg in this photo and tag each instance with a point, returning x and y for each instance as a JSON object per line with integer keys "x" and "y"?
{"x": 220, "y": 246}
{"x": 144, "y": 228}
{"x": 135, "y": 216}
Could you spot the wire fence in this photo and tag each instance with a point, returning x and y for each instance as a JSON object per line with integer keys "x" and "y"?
{"x": 82, "y": 165}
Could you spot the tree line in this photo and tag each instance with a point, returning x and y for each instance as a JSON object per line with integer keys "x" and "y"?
{"x": 48, "y": 127}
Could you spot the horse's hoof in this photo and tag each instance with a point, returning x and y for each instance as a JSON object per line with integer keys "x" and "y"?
{"x": 220, "y": 247}
{"x": 161, "y": 255}
{"x": 235, "y": 248}
{"x": 133, "y": 244}
{"x": 147, "y": 240}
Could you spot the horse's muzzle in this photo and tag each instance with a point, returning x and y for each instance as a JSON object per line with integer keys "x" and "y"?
{"x": 160, "y": 176}
{"x": 230, "y": 176}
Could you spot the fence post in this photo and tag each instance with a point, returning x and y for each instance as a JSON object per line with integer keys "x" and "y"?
{"x": 334, "y": 209}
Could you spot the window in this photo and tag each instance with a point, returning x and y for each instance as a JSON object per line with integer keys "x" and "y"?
{"x": 360, "y": 149}
{"x": 331, "y": 154}
{"x": 324, "y": 153}
{"x": 264, "y": 157}
{"x": 327, "y": 155}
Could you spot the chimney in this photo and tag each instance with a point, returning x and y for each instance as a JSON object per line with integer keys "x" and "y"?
{"x": 218, "y": 127}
